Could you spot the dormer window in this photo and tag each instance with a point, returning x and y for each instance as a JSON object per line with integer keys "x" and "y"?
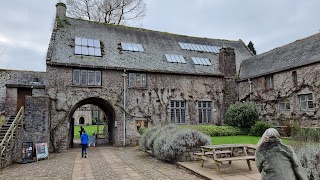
{"x": 88, "y": 47}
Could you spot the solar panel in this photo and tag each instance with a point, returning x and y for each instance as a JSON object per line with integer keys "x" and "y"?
{"x": 199, "y": 47}
{"x": 181, "y": 45}
{"x": 97, "y": 51}
{"x": 201, "y": 61}
{"x": 96, "y": 43}
{"x": 168, "y": 58}
{"x": 84, "y": 50}
{"x": 140, "y": 47}
{"x": 85, "y": 46}
{"x": 90, "y": 42}
{"x": 182, "y": 59}
{"x": 84, "y": 42}
{"x": 132, "y": 47}
{"x": 77, "y": 41}
{"x": 77, "y": 50}
{"x": 91, "y": 51}
{"x": 135, "y": 47}
{"x": 124, "y": 46}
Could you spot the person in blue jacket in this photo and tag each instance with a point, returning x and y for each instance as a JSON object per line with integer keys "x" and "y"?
{"x": 84, "y": 143}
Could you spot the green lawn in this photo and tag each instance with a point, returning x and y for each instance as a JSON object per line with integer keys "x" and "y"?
{"x": 238, "y": 140}
{"x": 89, "y": 130}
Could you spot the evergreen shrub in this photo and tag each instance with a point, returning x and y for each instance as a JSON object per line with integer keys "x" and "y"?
{"x": 259, "y": 128}
{"x": 242, "y": 114}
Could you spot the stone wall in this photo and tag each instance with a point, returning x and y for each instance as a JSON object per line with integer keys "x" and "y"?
{"x": 36, "y": 122}
{"x": 151, "y": 103}
{"x": 307, "y": 82}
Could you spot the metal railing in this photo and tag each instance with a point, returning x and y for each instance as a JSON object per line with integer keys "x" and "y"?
{"x": 7, "y": 142}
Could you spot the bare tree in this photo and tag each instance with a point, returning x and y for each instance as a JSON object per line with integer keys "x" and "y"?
{"x": 107, "y": 11}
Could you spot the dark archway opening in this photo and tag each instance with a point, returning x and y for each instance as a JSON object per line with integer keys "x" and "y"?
{"x": 81, "y": 120}
{"x": 105, "y": 136}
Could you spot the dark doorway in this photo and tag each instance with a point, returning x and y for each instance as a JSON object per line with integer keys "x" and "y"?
{"x": 22, "y": 93}
{"x": 81, "y": 120}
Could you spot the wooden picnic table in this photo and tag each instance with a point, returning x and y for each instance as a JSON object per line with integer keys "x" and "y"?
{"x": 225, "y": 152}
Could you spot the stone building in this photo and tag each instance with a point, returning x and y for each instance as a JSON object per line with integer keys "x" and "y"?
{"x": 284, "y": 83}
{"x": 137, "y": 75}
{"x": 140, "y": 77}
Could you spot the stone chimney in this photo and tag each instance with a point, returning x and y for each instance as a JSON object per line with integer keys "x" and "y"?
{"x": 61, "y": 11}
{"x": 227, "y": 66}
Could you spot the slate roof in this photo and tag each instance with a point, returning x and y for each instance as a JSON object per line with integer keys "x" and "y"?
{"x": 299, "y": 53}
{"x": 156, "y": 45}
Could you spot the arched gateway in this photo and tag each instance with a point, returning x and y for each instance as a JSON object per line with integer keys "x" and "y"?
{"x": 108, "y": 136}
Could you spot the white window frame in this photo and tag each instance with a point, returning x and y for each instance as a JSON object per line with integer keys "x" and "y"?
{"x": 83, "y": 79}
{"x": 178, "y": 112}
{"x": 137, "y": 80}
{"x": 204, "y": 112}
{"x": 284, "y": 105}
{"x": 308, "y": 100}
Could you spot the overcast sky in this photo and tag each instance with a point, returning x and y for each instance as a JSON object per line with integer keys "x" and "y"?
{"x": 25, "y": 26}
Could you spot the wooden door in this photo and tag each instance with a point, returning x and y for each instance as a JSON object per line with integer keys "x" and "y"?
{"x": 22, "y": 93}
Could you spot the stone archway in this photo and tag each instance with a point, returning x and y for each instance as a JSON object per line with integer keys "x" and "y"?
{"x": 105, "y": 106}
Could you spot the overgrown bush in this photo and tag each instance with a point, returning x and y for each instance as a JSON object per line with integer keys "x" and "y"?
{"x": 169, "y": 142}
{"x": 212, "y": 130}
{"x": 242, "y": 114}
{"x": 157, "y": 133}
{"x": 259, "y": 128}
{"x": 309, "y": 156}
{"x": 170, "y": 147}
{"x": 145, "y": 136}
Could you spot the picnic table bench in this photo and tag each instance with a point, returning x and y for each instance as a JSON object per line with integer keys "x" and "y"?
{"x": 225, "y": 152}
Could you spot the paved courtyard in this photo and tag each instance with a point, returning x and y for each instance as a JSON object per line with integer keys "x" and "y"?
{"x": 107, "y": 163}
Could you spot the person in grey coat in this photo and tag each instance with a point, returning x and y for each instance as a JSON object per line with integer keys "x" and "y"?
{"x": 276, "y": 161}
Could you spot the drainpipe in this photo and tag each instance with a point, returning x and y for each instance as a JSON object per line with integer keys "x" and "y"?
{"x": 124, "y": 75}
{"x": 250, "y": 88}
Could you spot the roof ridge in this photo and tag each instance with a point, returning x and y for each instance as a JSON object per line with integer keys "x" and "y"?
{"x": 144, "y": 29}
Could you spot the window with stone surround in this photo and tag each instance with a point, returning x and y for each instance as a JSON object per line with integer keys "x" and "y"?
{"x": 204, "y": 111}
{"x": 284, "y": 104}
{"x": 306, "y": 102}
{"x": 178, "y": 112}
{"x": 86, "y": 77}
{"x": 89, "y": 47}
{"x": 137, "y": 80}
{"x": 259, "y": 105}
{"x": 269, "y": 81}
